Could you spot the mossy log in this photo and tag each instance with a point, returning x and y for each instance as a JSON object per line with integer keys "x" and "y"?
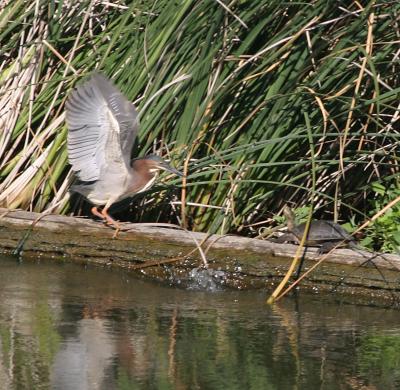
{"x": 169, "y": 254}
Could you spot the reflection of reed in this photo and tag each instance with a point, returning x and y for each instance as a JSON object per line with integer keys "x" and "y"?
{"x": 323, "y": 360}
{"x": 7, "y": 365}
{"x": 172, "y": 343}
{"x": 290, "y": 322}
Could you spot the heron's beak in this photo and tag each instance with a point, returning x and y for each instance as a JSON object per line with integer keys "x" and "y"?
{"x": 168, "y": 168}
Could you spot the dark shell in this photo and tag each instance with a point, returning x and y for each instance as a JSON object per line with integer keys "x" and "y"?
{"x": 321, "y": 231}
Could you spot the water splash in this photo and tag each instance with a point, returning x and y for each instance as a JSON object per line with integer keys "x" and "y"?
{"x": 206, "y": 279}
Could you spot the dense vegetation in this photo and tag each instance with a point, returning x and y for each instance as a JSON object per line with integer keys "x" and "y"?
{"x": 262, "y": 102}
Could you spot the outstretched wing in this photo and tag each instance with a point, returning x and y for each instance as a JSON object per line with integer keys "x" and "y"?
{"x": 102, "y": 127}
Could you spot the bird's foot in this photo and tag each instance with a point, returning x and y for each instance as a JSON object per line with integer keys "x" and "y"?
{"x": 108, "y": 220}
{"x": 115, "y": 235}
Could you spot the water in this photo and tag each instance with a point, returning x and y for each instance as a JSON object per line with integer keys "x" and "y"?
{"x": 64, "y": 326}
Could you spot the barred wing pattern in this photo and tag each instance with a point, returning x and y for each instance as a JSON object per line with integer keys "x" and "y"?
{"x": 102, "y": 126}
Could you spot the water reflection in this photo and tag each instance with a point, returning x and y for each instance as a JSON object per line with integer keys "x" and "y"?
{"x": 69, "y": 327}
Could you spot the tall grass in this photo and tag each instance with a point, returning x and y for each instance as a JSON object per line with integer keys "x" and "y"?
{"x": 247, "y": 95}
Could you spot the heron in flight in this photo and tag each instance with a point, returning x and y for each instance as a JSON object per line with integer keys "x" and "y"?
{"x": 102, "y": 128}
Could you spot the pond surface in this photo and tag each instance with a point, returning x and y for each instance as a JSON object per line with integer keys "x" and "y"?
{"x": 64, "y": 326}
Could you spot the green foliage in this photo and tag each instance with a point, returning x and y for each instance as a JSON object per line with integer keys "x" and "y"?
{"x": 384, "y": 232}
{"x": 226, "y": 91}
{"x": 378, "y": 356}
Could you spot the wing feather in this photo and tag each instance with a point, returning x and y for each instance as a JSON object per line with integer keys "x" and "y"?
{"x": 102, "y": 126}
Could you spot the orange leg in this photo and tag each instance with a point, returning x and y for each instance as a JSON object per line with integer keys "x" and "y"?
{"x": 106, "y": 218}
{"x": 111, "y": 221}
{"x": 96, "y": 212}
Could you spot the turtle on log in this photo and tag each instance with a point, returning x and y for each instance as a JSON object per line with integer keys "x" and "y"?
{"x": 324, "y": 234}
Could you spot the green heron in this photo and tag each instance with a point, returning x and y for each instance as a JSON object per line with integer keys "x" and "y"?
{"x": 102, "y": 127}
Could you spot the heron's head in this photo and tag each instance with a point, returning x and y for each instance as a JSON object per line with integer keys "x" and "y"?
{"x": 156, "y": 163}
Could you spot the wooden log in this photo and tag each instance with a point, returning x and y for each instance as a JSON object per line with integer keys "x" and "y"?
{"x": 169, "y": 254}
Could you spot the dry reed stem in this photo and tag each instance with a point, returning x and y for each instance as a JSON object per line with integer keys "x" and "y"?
{"x": 369, "y": 46}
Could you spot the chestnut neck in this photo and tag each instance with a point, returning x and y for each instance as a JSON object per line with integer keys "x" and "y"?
{"x": 142, "y": 176}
